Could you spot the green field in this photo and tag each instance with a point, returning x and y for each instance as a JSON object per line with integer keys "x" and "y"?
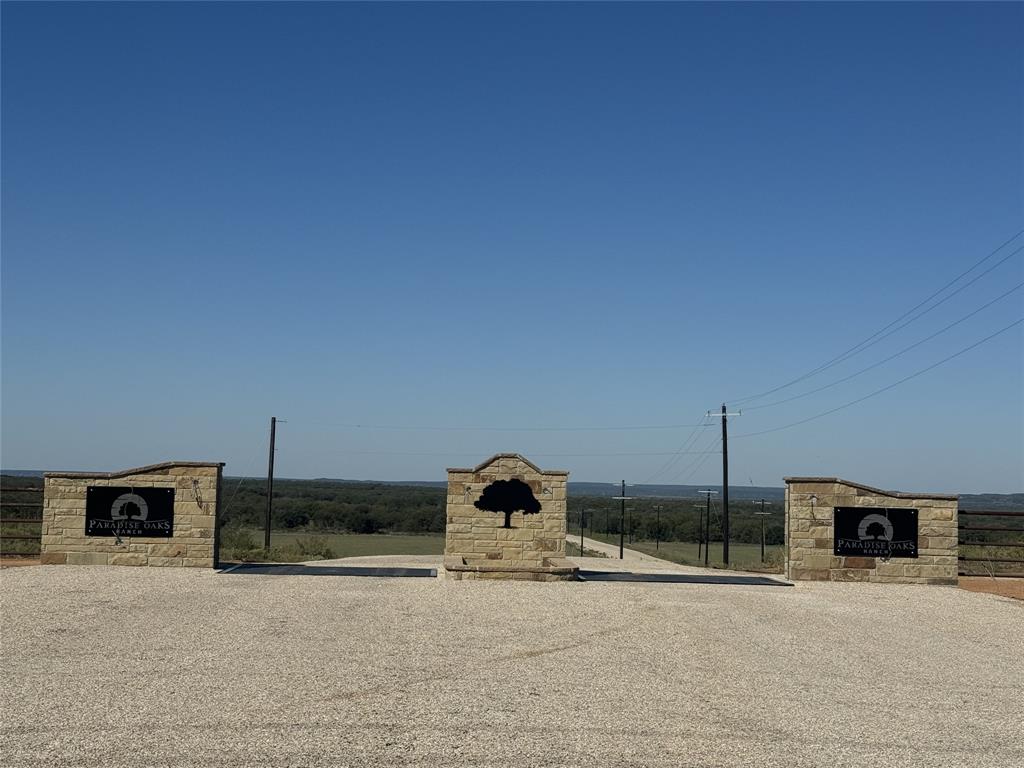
{"x": 743, "y": 557}
{"x": 297, "y": 546}
{"x": 572, "y": 549}
{"x": 365, "y": 544}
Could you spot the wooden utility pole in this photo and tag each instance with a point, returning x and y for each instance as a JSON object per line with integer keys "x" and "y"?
{"x": 700, "y": 529}
{"x": 725, "y": 489}
{"x": 762, "y": 514}
{"x": 270, "y": 484}
{"x": 725, "y": 485}
{"x": 622, "y": 519}
{"x": 707, "y": 527}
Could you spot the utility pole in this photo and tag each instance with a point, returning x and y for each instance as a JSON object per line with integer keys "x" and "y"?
{"x": 657, "y": 528}
{"x": 762, "y": 514}
{"x": 622, "y": 519}
{"x": 270, "y": 484}
{"x": 725, "y": 484}
{"x": 700, "y": 529}
{"x": 583, "y": 521}
{"x": 707, "y": 526}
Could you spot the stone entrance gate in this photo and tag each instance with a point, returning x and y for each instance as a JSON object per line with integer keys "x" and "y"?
{"x": 505, "y": 519}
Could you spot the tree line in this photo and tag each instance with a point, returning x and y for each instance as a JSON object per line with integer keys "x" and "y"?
{"x": 331, "y": 506}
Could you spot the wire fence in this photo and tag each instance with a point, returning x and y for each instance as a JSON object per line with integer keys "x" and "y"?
{"x": 21, "y": 517}
{"x": 991, "y": 543}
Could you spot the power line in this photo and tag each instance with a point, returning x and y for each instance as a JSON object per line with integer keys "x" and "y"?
{"x": 891, "y": 357}
{"x": 696, "y": 464}
{"x": 877, "y": 335}
{"x": 886, "y": 388}
{"x": 476, "y": 453}
{"x": 411, "y": 428}
{"x": 680, "y": 452}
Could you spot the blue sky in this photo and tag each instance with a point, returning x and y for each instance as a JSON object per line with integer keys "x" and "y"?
{"x": 518, "y": 216}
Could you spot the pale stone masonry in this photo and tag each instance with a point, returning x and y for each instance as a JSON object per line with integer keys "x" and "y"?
{"x": 478, "y": 546}
{"x": 192, "y": 543}
{"x": 810, "y": 502}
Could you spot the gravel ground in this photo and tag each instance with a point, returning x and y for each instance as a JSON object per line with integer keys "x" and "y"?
{"x": 180, "y": 667}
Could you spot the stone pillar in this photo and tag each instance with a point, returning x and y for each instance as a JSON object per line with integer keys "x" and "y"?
{"x": 195, "y": 487}
{"x": 477, "y": 542}
{"x": 811, "y": 534}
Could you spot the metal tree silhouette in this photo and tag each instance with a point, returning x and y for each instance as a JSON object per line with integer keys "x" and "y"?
{"x": 508, "y": 496}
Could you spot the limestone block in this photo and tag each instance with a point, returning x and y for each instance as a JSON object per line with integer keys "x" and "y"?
{"x": 165, "y": 561}
{"x": 822, "y": 514}
{"x": 197, "y": 562}
{"x": 818, "y": 489}
{"x": 170, "y": 549}
{"x": 85, "y": 545}
{"x": 849, "y": 574}
{"x": 937, "y": 528}
{"x": 932, "y": 571}
{"x": 892, "y": 568}
{"x": 71, "y": 522}
{"x": 128, "y": 558}
{"x": 808, "y": 574}
{"x": 53, "y": 558}
{"x": 87, "y": 558}
{"x": 858, "y": 562}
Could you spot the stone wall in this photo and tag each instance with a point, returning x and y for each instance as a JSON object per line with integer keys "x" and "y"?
{"x": 810, "y": 504}
{"x": 192, "y": 543}
{"x": 477, "y": 545}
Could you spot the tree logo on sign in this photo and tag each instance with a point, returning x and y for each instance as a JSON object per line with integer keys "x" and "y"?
{"x": 508, "y": 496}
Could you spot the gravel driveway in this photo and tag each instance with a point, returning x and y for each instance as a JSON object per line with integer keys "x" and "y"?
{"x": 180, "y": 667}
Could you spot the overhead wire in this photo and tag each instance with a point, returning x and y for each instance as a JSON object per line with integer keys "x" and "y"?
{"x": 683, "y": 476}
{"x": 882, "y": 332}
{"x": 472, "y": 453}
{"x": 885, "y": 388}
{"x": 891, "y": 357}
{"x": 681, "y": 451}
{"x": 415, "y": 428}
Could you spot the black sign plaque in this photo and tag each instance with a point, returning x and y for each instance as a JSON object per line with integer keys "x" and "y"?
{"x": 875, "y": 532}
{"x": 120, "y": 511}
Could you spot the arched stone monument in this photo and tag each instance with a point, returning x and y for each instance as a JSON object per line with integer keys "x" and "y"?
{"x": 506, "y": 520}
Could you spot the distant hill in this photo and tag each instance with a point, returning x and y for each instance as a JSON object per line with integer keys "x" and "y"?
{"x": 993, "y": 501}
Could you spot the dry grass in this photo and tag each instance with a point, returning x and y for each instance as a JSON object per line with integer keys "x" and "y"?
{"x": 1004, "y": 587}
